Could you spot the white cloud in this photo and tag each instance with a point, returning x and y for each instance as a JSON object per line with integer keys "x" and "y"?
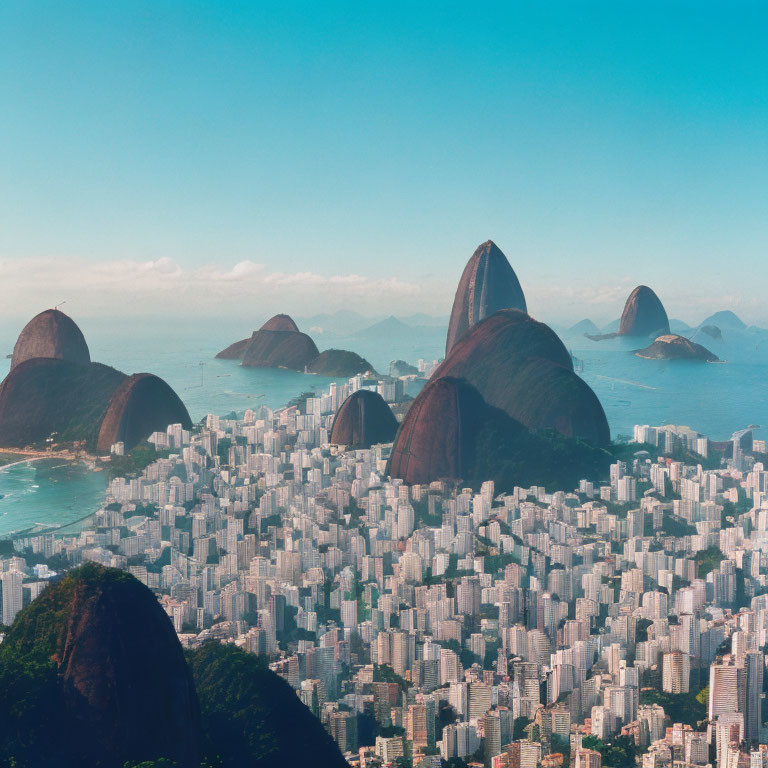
{"x": 126, "y": 288}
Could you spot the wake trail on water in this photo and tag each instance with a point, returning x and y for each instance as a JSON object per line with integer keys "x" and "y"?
{"x": 624, "y": 381}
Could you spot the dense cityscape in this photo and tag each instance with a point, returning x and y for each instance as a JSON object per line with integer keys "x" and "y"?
{"x": 617, "y": 623}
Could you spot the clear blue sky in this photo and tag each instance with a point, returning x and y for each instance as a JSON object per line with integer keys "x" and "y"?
{"x": 603, "y": 141}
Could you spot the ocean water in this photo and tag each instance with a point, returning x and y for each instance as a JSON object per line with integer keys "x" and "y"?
{"x": 715, "y": 399}
{"x": 48, "y": 492}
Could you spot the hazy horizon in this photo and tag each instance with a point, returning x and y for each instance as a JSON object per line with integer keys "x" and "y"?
{"x": 202, "y": 161}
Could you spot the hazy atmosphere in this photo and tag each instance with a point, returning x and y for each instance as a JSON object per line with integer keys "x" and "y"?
{"x": 202, "y": 157}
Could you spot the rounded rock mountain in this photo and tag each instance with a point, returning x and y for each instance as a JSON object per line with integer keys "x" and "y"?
{"x": 51, "y": 334}
{"x": 521, "y": 367}
{"x": 487, "y": 285}
{"x": 340, "y": 363}
{"x": 45, "y": 397}
{"x": 141, "y": 404}
{"x": 644, "y": 314}
{"x": 99, "y": 652}
{"x": 280, "y": 323}
{"x": 279, "y": 349}
{"x": 364, "y": 419}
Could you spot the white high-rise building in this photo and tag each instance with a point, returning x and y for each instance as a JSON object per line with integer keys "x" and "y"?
{"x": 676, "y": 672}
{"x": 12, "y": 595}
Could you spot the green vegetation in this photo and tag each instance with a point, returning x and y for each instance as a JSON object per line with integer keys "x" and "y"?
{"x": 55, "y": 398}
{"x": 251, "y": 716}
{"x": 383, "y": 673}
{"x": 676, "y": 526}
{"x": 301, "y": 401}
{"x": 135, "y": 461}
{"x": 618, "y": 753}
{"x": 518, "y": 727}
{"x": 684, "y": 708}
{"x": 339, "y": 363}
{"x": 516, "y": 456}
{"x": 707, "y": 560}
{"x": 10, "y": 458}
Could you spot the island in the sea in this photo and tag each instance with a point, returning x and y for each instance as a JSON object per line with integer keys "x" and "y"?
{"x": 280, "y": 344}
{"x": 670, "y": 346}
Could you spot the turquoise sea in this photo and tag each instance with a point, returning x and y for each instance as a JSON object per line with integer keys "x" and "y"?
{"x": 715, "y": 399}
{"x": 48, "y": 492}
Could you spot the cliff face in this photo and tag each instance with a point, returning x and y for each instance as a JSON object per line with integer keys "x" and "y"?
{"x": 141, "y": 405}
{"x": 521, "y": 367}
{"x": 339, "y": 362}
{"x": 501, "y": 342}
{"x": 51, "y": 334}
{"x": 234, "y": 351}
{"x": 280, "y": 349}
{"x": 44, "y": 396}
{"x": 436, "y": 441}
{"x": 98, "y": 647}
{"x": 451, "y": 433}
{"x": 644, "y": 314}
{"x": 488, "y": 284}
{"x": 672, "y": 347}
{"x": 544, "y": 396}
{"x": 364, "y": 419}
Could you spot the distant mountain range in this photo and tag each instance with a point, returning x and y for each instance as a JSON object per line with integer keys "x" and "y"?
{"x": 725, "y": 320}
{"x": 345, "y": 323}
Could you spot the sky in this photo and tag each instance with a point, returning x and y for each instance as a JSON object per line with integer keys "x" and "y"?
{"x": 212, "y": 159}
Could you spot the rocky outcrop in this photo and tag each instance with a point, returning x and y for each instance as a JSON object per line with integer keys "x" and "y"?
{"x": 280, "y": 344}
{"x": 672, "y": 347}
{"x": 401, "y": 368}
{"x": 521, "y": 367}
{"x": 437, "y": 439}
{"x": 70, "y": 399}
{"x": 280, "y": 323}
{"x": 545, "y": 396}
{"x": 339, "y": 363}
{"x": 364, "y": 419}
{"x": 51, "y": 334}
{"x": 280, "y": 349}
{"x": 237, "y": 350}
{"x": 487, "y": 285}
{"x": 45, "y": 397}
{"x": 502, "y": 341}
{"x": 504, "y": 405}
{"x": 644, "y": 314}
{"x": 141, "y": 405}
{"x": 98, "y": 652}
{"x": 451, "y": 434}
{"x": 234, "y": 351}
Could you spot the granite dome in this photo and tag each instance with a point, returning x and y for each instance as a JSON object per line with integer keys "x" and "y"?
{"x": 364, "y": 419}
{"x": 437, "y": 438}
{"x": 487, "y": 285}
{"x": 279, "y": 349}
{"x": 521, "y": 367}
{"x": 51, "y": 334}
{"x": 644, "y": 314}
{"x": 141, "y": 404}
{"x": 280, "y": 323}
